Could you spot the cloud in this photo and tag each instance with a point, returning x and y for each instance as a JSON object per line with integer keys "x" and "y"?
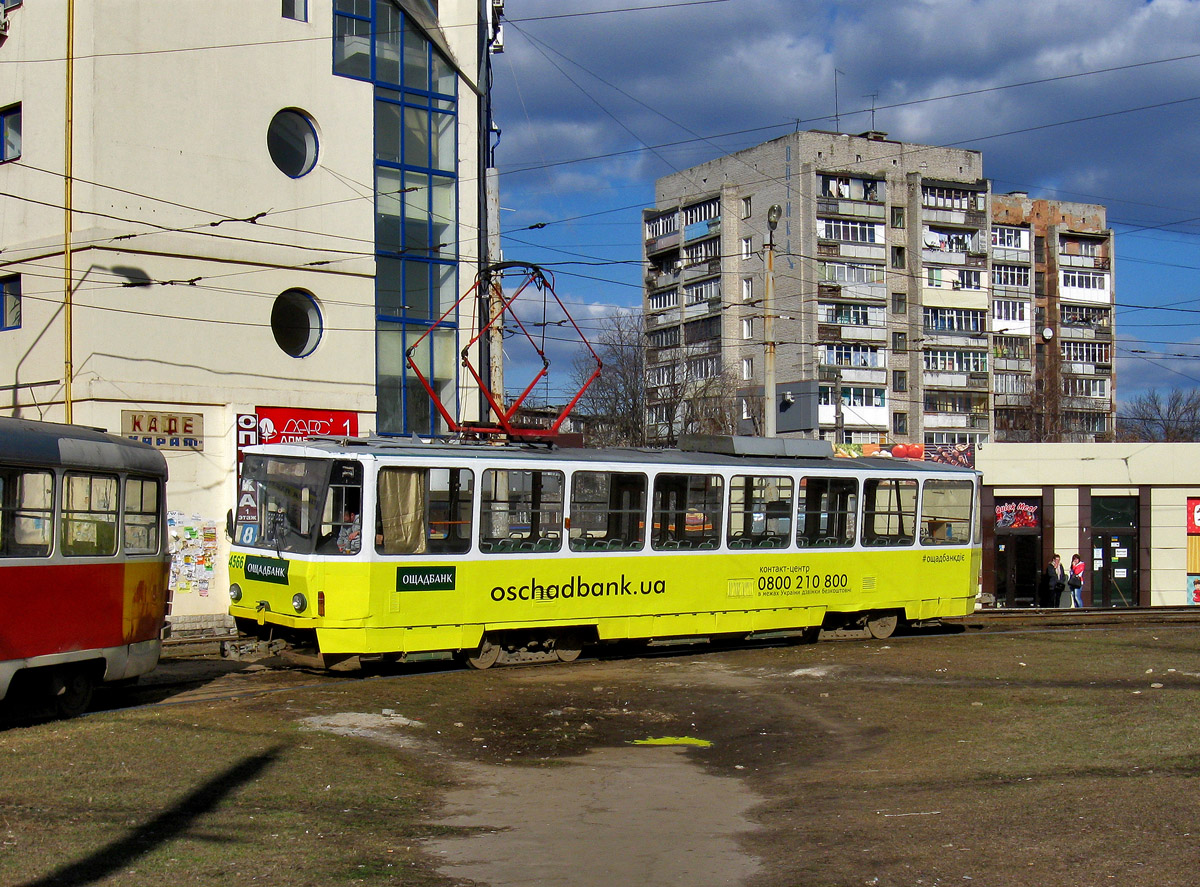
{"x": 696, "y": 82}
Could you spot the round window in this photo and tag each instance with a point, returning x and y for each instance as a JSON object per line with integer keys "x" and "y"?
{"x": 292, "y": 141}
{"x": 296, "y": 323}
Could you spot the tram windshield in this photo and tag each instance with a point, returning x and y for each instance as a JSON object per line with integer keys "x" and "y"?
{"x": 300, "y": 505}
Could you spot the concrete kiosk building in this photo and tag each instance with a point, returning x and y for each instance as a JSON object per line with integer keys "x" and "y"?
{"x": 249, "y": 213}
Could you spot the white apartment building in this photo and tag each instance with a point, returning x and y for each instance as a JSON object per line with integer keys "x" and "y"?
{"x": 894, "y": 305}
{"x": 226, "y": 222}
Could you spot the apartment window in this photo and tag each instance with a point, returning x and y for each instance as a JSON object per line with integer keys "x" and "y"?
{"x": 899, "y": 342}
{"x": 1011, "y": 347}
{"x": 661, "y": 226}
{"x": 899, "y": 380}
{"x": 747, "y": 289}
{"x": 970, "y": 280}
{"x": 1009, "y": 238}
{"x": 1088, "y": 280}
{"x": 899, "y": 423}
{"x": 951, "y": 360}
{"x": 899, "y": 258}
{"x": 897, "y": 217}
{"x": 841, "y": 272}
{"x": 747, "y": 247}
{"x": 1009, "y": 309}
{"x": 746, "y": 207}
{"x": 1011, "y": 383}
{"x": 899, "y": 303}
{"x": 665, "y": 299}
{"x": 296, "y": 9}
{"x": 956, "y": 320}
{"x": 698, "y": 293}
{"x": 1087, "y": 352}
{"x": 851, "y": 315}
{"x": 10, "y": 303}
{"x": 933, "y": 276}
{"x": 704, "y": 367}
{"x": 664, "y": 338}
{"x": 853, "y": 232}
{"x": 700, "y": 252}
{"x": 747, "y": 329}
{"x": 1011, "y": 275}
{"x": 850, "y": 355}
{"x": 747, "y": 369}
{"x": 1085, "y": 315}
{"x": 953, "y": 198}
{"x": 10, "y": 133}
{"x": 1075, "y": 386}
{"x": 854, "y": 396}
{"x": 702, "y": 212}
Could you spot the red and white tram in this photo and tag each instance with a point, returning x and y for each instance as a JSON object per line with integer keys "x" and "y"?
{"x": 83, "y": 560}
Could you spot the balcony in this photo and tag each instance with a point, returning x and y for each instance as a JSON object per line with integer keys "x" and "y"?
{"x": 699, "y": 230}
{"x": 859, "y": 209}
{"x": 658, "y": 244}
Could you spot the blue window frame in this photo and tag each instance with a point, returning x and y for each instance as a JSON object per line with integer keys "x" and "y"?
{"x": 416, "y": 206}
{"x": 10, "y": 303}
{"x": 10, "y": 133}
{"x": 11, "y": 4}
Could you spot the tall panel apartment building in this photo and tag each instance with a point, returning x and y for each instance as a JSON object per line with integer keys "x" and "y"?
{"x": 888, "y": 296}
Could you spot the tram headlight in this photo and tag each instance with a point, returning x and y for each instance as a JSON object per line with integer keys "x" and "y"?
{"x": 235, "y": 592}
{"x": 299, "y": 602}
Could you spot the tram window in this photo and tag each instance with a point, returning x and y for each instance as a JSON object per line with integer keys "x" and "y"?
{"x": 89, "y": 515}
{"x": 26, "y": 512}
{"x": 141, "y": 515}
{"x": 342, "y": 517}
{"x": 889, "y": 511}
{"x": 422, "y": 510}
{"x": 608, "y": 511}
{"x": 828, "y": 506}
{"x": 687, "y": 511}
{"x": 946, "y": 512}
{"x": 521, "y": 511}
{"x": 760, "y": 512}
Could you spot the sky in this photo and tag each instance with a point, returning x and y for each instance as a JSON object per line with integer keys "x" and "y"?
{"x": 1078, "y": 100}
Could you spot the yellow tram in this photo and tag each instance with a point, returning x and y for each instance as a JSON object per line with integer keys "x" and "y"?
{"x": 509, "y": 553}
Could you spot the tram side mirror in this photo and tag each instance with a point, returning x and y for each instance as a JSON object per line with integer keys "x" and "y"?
{"x": 229, "y": 524}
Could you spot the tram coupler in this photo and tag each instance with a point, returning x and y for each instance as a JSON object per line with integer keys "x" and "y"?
{"x": 246, "y": 649}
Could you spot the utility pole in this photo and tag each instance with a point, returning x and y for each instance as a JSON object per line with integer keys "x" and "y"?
{"x": 68, "y": 180}
{"x": 770, "y": 407}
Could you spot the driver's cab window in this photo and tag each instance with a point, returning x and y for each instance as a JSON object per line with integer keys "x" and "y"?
{"x": 341, "y": 521}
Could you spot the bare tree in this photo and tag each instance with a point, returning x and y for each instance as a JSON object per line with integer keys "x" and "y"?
{"x": 1151, "y": 416}
{"x": 615, "y": 404}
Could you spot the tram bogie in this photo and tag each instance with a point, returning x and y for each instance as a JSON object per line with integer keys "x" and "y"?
{"x": 504, "y": 555}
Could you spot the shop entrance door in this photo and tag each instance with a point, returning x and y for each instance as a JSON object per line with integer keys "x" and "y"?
{"x": 1018, "y": 569}
{"x": 1114, "y": 570}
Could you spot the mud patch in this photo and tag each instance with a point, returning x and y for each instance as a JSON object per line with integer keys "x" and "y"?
{"x": 560, "y": 824}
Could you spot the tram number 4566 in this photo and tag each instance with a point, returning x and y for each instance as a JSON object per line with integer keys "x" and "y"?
{"x": 803, "y": 582}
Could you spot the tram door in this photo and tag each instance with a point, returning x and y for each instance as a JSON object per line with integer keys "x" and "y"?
{"x": 1018, "y": 570}
{"x": 1114, "y": 570}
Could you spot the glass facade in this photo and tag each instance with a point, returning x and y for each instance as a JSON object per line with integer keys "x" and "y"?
{"x": 416, "y": 206}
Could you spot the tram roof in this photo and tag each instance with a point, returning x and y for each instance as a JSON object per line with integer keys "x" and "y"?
{"x": 29, "y": 442}
{"x": 704, "y": 450}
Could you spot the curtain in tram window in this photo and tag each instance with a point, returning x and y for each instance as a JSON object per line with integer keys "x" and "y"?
{"x": 402, "y": 510}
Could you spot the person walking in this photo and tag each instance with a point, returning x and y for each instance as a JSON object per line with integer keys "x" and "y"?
{"x": 1054, "y": 580}
{"x": 1075, "y": 580}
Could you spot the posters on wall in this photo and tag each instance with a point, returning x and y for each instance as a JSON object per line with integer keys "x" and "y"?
{"x": 1192, "y": 592}
{"x": 193, "y": 546}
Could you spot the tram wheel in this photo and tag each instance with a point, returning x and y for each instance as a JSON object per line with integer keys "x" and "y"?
{"x": 484, "y": 657}
{"x": 73, "y": 692}
{"x": 882, "y": 625}
{"x": 567, "y": 647}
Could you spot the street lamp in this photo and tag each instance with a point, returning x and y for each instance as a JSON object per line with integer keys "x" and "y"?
{"x": 770, "y": 407}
